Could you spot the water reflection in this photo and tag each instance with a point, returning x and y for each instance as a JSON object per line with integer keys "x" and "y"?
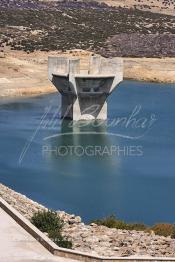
{"x": 83, "y": 176}
{"x": 82, "y": 140}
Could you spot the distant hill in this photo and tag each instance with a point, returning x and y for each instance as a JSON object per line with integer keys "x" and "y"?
{"x": 159, "y": 6}
{"x": 112, "y": 31}
{"x": 155, "y": 6}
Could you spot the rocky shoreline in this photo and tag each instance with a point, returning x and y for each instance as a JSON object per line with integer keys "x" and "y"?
{"x": 94, "y": 239}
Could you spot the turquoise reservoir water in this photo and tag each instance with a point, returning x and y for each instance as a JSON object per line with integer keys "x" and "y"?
{"x": 125, "y": 166}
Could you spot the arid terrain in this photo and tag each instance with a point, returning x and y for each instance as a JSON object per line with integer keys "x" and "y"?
{"x": 30, "y": 30}
{"x": 157, "y": 6}
{"x": 64, "y": 25}
{"x": 26, "y": 74}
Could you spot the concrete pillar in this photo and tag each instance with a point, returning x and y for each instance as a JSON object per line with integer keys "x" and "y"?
{"x": 94, "y": 65}
{"x": 74, "y": 66}
{"x": 57, "y": 65}
{"x": 74, "y": 69}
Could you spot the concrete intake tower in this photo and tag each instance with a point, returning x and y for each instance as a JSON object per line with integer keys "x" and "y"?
{"x": 84, "y": 92}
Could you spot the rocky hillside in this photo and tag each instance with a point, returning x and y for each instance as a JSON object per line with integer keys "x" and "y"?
{"x": 138, "y": 45}
{"x": 63, "y": 25}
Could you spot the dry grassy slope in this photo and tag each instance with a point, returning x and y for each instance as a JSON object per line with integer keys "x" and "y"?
{"x": 157, "y": 6}
{"x": 162, "y": 6}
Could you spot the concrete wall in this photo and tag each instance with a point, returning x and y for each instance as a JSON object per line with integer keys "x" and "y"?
{"x": 68, "y": 253}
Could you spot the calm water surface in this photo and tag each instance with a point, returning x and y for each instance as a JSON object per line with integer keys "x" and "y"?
{"x": 133, "y": 176}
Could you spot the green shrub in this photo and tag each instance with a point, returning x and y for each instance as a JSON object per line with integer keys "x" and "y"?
{"x": 113, "y": 222}
{"x": 137, "y": 226}
{"x": 58, "y": 239}
{"x": 109, "y": 221}
{"x": 47, "y": 221}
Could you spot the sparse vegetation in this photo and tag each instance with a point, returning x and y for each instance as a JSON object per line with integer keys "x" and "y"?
{"x": 35, "y": 25}
{"x": 113, "y": 222}
{"x": 162, "y": 229}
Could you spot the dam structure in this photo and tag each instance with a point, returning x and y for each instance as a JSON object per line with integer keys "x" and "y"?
{"x": 84, "y": 93}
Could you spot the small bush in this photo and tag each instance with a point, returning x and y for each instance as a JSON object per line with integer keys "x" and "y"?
{"x": 110, "y": 222}
{"x": 49, "y": 222}
{"x": 58, "y": 239}
{"x": 113, "y": 222}
{"x": 137, "y": 226}
{"x": 164, "y": 229}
